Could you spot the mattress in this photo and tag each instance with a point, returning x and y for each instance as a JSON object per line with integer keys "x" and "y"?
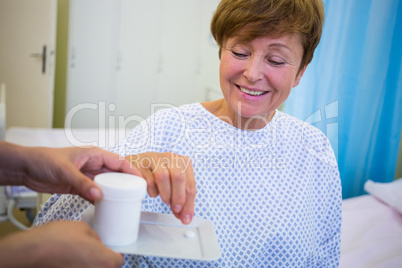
{"x": 371, "y": 234}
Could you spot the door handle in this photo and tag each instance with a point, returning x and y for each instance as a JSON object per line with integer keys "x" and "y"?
{"x": 41, "y": 56}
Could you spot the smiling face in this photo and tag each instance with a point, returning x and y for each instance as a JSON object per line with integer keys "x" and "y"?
{"x": 257, "y": 77}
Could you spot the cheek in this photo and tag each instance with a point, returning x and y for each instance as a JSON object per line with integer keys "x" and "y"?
{"x": 283, "y": 80}
{"x": 222, "y": 70}
{"x": 229, "y": 67}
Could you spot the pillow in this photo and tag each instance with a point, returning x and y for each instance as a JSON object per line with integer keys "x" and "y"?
{"x": 390, "y": 192}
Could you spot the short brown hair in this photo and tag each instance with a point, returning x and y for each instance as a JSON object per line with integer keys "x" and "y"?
{"x": 270, "y": 17}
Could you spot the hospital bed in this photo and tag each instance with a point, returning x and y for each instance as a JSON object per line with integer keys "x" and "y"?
{"x": 371, "y": 229}
{"x": 371, "y": 234}
{"x": 12, "y": 197}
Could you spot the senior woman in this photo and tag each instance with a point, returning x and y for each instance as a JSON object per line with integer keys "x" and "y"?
{"x": 268, "y": 182}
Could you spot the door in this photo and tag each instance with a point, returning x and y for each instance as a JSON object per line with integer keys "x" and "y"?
{"x": 27, "y": 41}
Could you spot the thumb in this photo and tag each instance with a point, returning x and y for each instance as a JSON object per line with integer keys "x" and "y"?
{"x": 85, "y": 186}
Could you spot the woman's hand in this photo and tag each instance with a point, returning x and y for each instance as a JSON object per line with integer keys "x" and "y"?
{"x": 58, "y": 244}
{"x": 171, "y": 176}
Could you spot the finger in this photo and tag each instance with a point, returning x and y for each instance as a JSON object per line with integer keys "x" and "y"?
{"x": 83, "y": 185}
{"x": 182, "y": 180}
{"x": 163, "y": 184}
{"x": 187, "y": 213}
{"x": 117, "y": 163}
{"x": 116, "y": 258}
{"x": 91, "y": 232}
{"x": 119, "y": 259}
{"x": 113, "y": 258}
{"x": 152, "y": 188}
{"x": 178, "y": 189}
{"x": 143, "y": 164}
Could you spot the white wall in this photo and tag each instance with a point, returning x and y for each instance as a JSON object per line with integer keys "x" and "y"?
{"x": 134, "y": 53}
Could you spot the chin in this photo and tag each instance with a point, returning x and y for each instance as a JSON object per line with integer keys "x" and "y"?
{"x": 250, "y": 112}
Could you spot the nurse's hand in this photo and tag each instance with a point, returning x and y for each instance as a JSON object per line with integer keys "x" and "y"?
{"x": 59, "y": 170}
{"x": 58, "y": 244}
{"x": 171, "y": 176}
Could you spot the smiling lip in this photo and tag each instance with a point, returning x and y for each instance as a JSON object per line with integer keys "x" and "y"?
{"x": 252, "y": 92}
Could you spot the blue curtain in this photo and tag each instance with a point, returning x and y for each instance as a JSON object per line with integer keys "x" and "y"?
{"x": 352, "y": 90}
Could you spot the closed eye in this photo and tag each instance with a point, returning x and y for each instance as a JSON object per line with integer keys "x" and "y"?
{"x": 239, "y": 55}
{"x": 276, "y": 63}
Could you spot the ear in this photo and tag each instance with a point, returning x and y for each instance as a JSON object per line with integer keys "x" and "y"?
{"x": 299, "y": 76}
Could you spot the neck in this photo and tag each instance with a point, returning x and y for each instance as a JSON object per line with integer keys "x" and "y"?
{"x": 220, "y": 109}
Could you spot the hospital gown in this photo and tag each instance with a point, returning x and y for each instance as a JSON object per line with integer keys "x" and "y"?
{"x": 273, "y": 195}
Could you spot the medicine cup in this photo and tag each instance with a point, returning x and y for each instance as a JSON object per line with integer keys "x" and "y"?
{"x": 117, "y": 214}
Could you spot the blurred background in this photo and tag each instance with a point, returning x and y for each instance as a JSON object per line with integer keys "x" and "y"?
{"x": 352, "y": 90}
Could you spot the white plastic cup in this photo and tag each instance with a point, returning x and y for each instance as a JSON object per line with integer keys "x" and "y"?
{"x": 117, "y": 214}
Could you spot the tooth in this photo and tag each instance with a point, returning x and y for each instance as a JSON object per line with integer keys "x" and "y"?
{"x": 251, "y": 92}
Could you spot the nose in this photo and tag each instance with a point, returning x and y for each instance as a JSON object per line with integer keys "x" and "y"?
{"x": 253, "y": 70}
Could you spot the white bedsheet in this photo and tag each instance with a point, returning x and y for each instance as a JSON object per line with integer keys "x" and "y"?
{"x": 371, "y": 234}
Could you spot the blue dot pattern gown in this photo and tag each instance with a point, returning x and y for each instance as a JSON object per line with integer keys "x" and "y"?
{"x": 273, "y": 195}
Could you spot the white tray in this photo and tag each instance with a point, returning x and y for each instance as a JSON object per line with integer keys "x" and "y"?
{"x": 162, "y": 235}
